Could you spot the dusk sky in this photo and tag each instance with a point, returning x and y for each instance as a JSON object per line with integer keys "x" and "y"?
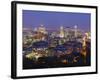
{"x": 53, "y": 20}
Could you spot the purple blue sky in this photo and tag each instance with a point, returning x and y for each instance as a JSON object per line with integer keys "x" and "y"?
{"x": 53, "y": 20}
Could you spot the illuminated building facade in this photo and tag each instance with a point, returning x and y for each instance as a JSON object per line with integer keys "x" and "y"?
{"x": 42, "y": 29}
{"x": 61, "y": 32}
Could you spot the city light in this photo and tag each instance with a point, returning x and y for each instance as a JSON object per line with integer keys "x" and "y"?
{"x": 64, "y": 46}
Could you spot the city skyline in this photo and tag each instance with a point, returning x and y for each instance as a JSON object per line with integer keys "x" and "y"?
{"x": 55, "y": 39}
{"x": 53, "y": 20}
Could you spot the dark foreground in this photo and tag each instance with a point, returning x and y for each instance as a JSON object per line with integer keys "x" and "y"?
{"x": 56, "y": 62}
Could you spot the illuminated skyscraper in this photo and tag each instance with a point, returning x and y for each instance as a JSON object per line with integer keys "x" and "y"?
{"x": 75, "y": 29}
{"x": 61, "y": 32}
{"x": 84, "y": 41}
{"x": 42, "y": 29}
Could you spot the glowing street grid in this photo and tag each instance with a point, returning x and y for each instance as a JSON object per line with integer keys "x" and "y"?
{"x": 56, "y": 39}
